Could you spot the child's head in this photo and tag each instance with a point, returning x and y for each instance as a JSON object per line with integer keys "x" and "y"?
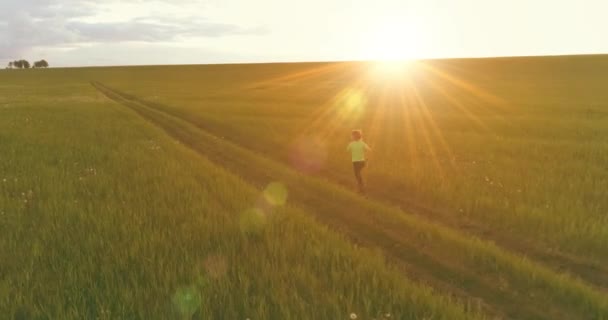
{"x": 356, "y": 135}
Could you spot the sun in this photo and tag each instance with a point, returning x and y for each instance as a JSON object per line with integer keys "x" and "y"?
{"x": 392, "y": 41}
{"x": 391, "y": 46}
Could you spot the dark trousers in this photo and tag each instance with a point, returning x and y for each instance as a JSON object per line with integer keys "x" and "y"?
{"x": 357, "y": 168}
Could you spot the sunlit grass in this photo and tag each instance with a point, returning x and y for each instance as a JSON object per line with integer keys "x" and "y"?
{"x": 438, "y": 133}
{"x": 428, "y": 247}
{"x": 493, "y": 148}
{"x": 104, "y": 216}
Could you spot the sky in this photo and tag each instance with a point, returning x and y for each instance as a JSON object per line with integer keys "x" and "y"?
{"x": 135, "y": 32}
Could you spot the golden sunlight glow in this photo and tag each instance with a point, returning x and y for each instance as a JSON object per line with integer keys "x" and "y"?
{"x": 350, "y": 104}
{"x": 388, "y": 98}
{"x": 391, "y": 69}
{"x": 392, "y": 45}
{"x": 392, "y": 41}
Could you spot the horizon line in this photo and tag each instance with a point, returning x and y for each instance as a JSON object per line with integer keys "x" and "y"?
{"x": 332, "y": 61}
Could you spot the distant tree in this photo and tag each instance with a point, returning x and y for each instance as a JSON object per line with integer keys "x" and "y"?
{"x": 20, "y": 64}
{"x": 10, "y": 65}
{"x": 24, "y": 64}
{"x": 41, "y": 64}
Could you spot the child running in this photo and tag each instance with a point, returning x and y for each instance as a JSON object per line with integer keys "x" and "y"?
{"x": 357, "y": 149}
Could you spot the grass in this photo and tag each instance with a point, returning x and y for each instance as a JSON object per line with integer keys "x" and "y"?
{"x": 146, "y": 201}
{"x": 508, "y": 149}
{"x": 475, "y": 271}
{"x": 103, "y": 216}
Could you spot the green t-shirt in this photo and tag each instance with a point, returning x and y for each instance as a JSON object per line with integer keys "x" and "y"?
{"x": 357, "y": 150}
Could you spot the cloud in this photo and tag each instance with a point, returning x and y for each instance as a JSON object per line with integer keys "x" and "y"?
{"x": 153, "y": 30}
{"x": 28, "y": 24}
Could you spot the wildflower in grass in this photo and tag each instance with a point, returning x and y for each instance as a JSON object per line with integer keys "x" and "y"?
{"x": 353, "y": 315}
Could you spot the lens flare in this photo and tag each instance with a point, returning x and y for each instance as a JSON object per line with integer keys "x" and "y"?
{"x": 276, "y": 194}
{"x": 350, "y": 104}
{"x": 186, "y": 301}
{"x": 354, "y": 99}
{"x": 308, "y": 154}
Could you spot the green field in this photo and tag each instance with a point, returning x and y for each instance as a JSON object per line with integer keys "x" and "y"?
{"x": 225, "y": 191}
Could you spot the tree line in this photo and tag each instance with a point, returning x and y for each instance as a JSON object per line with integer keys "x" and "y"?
{"x": 24, "y": 64}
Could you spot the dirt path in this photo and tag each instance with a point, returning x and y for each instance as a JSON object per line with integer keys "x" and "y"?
{"x": 421, "y": 256}
{"x": 595, "y": 273}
